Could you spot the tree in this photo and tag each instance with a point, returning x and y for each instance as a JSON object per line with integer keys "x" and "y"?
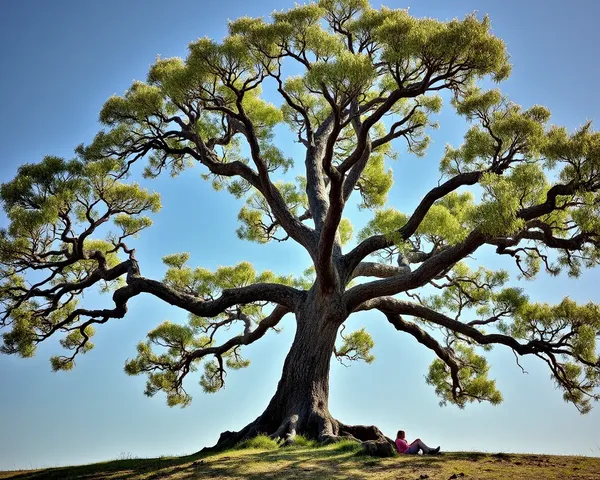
{"x": 351, "y": 80}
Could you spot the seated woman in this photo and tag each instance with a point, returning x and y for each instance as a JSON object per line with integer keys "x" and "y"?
{"x": 413, "y": 448}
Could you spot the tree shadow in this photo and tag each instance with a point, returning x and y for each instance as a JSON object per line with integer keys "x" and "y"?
{"x": 298, "y": 463}
{"x": 307, "y": 464}
{"x": 117, "y": 469}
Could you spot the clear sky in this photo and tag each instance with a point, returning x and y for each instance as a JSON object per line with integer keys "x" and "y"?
{"x": 61, "y": 60}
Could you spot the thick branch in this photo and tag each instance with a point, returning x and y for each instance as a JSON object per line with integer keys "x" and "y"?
{"x": 293, "y": 227}
{"x": 401, "y": 307}
{"x": 316, "y": 189}
{"x": 261, "y": 181}
{"x": 378, "y": 242}
{"x": 379, "y": 270}
{"x": 266, "y": 292}
{"x": 549, "y": 205}
{"x": 422, "y": 275}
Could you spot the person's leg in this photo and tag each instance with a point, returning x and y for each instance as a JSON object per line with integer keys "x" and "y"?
{"x": 418, "y": 444}
{"x": 413, "y": 449}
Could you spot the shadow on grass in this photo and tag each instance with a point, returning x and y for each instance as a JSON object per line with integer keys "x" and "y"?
{"x": 300, "y": 463}
{"x": 117, "y": 469}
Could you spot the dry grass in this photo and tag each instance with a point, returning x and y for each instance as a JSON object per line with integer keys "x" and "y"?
{"x": 327, "y": 463}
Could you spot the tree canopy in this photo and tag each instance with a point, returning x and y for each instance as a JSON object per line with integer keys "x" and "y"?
{"x": 356, "y": 86}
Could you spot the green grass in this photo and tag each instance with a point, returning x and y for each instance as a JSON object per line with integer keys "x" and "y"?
{"x": 302, "y": 442}
{"x": 333, "y": 462}
{"x": 261, "y": 442}
{"x": 347, "y": 446}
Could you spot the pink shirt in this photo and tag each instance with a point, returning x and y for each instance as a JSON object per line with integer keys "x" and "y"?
{"x": 401, "y": 445}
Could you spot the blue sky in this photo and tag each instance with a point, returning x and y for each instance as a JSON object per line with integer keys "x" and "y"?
{"x": 62, "y": 60}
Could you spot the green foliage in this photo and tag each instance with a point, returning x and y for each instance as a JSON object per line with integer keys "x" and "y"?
{"x": 464, "y": 288}
{"x": 349, "y": 75}
{"x": 176, "y": 260}
{"x": 131, "y": 225}
{"x": 466, "y": 43}
{"x": 534, "y": 319}
{"x": 169, "y": 346}
{"x": 385, "y": 222}
{"x": 74, "y": 338}
{"x": 375, "y": 182}
{"x": 345, "y": 230}
{"x": 140, "y": 101}
{"x": 264, "y": 115}
{"x": 497, "y": 214}
{"x": 161, "y": 368}
{"x": 316, "y": 106}
{"x": 55, "y": 209}
{"x": 211, "y": 381}
{"x": 356, "y": 346}
{"x": 340, "y": 9}
{"x": 206, "y": 284}
{"x": 503, "y": 132}
{"x": 172, "y": 76}
{"x": 21, "y": 339}
{"x": 577, "y": 153}
{"x": 474, "y": 384}
{"x": 72, "y": 220}
{"x": 41, "y": 193}
{"x": 446, "y": 221}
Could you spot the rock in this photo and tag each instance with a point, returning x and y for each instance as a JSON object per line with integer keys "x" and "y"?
{"x": 378, "y": 448}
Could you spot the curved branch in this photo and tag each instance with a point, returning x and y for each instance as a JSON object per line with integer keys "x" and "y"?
{"x": 535, "y": 346}
{"x": 293, "y": 227}
{"x": 378, "y": 242}
{"x": 379, "y": 270}
{"x": 248, "y": 337}
{"x": 549, "y": 204}
{"x": 182, "y": 363}
{"x": 426, "y": 272}
{"x": 444, "y": 353}
{"x": 266, "y": 292}
{"x": 259, "y": 180}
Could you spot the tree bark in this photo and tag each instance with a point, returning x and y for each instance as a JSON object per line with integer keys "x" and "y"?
{"x": 301, "y": 402}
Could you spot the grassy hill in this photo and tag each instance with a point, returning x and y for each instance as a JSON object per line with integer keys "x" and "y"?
{"x": 341, "y": 461}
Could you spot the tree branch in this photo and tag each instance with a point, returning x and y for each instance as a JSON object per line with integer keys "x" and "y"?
{"x": 533, "y": 346}
{"x": 379, "y": 270}
{"x": 426, "y": 272}
{"x": 444, "y": 353}
{"x": 378, "y": 242}
{"x": 268, "y": 292}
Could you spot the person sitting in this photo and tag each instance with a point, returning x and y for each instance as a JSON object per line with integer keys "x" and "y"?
{"x": 413, "y": 448}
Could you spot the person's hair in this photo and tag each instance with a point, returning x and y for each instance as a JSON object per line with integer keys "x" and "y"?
{"x": 400, "y": 433}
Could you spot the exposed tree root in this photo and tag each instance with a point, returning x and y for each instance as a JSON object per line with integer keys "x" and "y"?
{"x": 317, "y": 426}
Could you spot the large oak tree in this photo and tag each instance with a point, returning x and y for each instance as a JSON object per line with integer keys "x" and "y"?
{"x": 351, "y": 80}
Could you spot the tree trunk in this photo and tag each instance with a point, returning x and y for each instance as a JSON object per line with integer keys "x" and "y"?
{"x": 302, "y": 396}
{"x": 301, "y": 402}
